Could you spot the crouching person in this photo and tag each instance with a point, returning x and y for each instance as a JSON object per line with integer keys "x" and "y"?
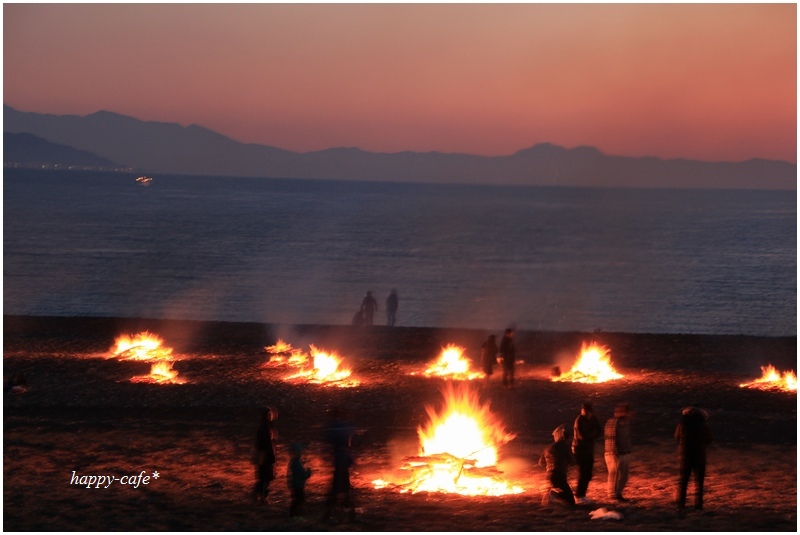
{"x": 556, "y": 458}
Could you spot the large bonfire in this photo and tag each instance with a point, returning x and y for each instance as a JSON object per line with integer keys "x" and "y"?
{"x": 457, "y": 450}
{"x": 772, "y": 379}
{"x": 593, "y": 366}
{"x": 147, "y": 346}
{"x": 451, "y": 364}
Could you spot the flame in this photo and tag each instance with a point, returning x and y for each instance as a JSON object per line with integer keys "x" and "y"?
{"x": 161, "y": 373}
{"x": 772, "y": 379}
{"x": 452, "y": 365}
{"x": 282, "y": 353}
{"x": 593, "y": 366}
{"x": 143, "y": 346}
{"x": 326, "y": 370}
{"x": 458, "y": 450}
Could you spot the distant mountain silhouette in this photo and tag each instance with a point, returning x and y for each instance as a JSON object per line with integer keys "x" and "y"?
{"x": 27, "y": 150}
{"x": 169, "y": 148}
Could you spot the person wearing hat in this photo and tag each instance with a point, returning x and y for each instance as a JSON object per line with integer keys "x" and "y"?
{"x": 556, "y": 458}
{"x": 618, "y": 451}
{"x": 586, "y": 430}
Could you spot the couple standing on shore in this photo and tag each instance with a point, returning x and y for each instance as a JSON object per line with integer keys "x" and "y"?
{"x": 507, "y": 352}
{"x": 369, "y": 306}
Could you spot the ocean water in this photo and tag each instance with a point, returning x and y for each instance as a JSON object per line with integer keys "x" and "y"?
{"x": 306, "y": 252}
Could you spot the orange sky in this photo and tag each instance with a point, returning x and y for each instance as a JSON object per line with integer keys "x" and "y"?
{"x": 703, "y": 81}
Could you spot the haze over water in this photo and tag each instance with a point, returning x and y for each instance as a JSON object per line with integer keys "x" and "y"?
{"x": 306, "y": 252}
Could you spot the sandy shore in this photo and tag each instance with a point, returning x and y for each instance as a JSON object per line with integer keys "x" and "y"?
{"x": 83, "y": 414}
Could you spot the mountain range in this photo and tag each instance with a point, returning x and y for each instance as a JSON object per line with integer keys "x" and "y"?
{"x": 169, "y": 148}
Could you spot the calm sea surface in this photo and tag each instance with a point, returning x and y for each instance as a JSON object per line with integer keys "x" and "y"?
{"x": 292, "y": 251}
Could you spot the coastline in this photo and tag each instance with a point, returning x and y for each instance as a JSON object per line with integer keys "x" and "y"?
{"x": 83, "y": 413}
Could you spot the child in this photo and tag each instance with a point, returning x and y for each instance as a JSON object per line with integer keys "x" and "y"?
{"x": 296, "y": 477}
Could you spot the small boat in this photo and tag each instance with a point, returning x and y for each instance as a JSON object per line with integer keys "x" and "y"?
{"x": 144, "y": 180}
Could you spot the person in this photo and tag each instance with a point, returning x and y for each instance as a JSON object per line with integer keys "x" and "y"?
{"x": 339, "y": 434}
{"x": 586, "y": 430}
{"x": 391, "y": 308}
{"x": 264, "y": 457}
{"x": 296, "y": 475}
{"x": 509, "y": 353}
{"x": 618, "y": 451}
{"x": 489, "y": 356}
{"x": 693, "y": 435}
{"x": 557, "y": 458}
{"x": 368, "y": 306}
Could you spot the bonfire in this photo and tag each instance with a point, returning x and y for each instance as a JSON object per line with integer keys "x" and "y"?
{"x": 593, "y": 366}
{"x": 458, "y": 450}
{"x": 283, "y": 354}
{"x": 451, "y": 364}
{"x": 143, "y": 346}
{"x": 772, "y": 379}
{"x": 327, "y": 369}
{"x": 160, "y": 373}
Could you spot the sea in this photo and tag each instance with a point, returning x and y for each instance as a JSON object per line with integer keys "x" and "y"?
{"x": 291, "y": 251}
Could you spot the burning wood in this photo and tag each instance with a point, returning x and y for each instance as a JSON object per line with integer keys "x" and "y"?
{"x": 458, "y": 450}
{"x": 283, "y": 354}
{"x": 772, "y": 379}
{"x": 160, "y": 373}
{"x": 593, "y": 366}
{"x": 452, "y": 364}
{"x": 143, "y": 346}
{"x": 326, "y": 370}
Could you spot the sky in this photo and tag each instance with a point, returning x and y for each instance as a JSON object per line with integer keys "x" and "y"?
{"x": 714, "y": 82}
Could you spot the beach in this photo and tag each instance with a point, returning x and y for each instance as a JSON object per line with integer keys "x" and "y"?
{"x": 82, "y": 415}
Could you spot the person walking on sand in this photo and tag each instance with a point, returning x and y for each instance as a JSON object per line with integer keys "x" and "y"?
{"x": 489, "y": 357}
{"x": 391, "y": 308}
{"x": 296, "y": 475}
{"x": 586, "y": 430}
{"x": 618, "y": 451}
{"x": 557, "y": 458}
{"x": 264, "y": 456}
{"x": 509, "y": 354}
{"x": 369, "y": 305}
{"x": 693, "y": 435}
{"x": 339, "y": 434}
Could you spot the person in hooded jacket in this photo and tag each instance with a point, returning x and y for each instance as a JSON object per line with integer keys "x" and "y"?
{"x": 693, "y": 435}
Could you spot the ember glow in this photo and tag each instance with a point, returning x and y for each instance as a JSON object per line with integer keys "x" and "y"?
{"x": 143, "y": 346}
{"x": 327, "y": 369}
{"x": 282, "y": 354}
{"x": 772, "y": 379}
{"x": 458, "y": 450}
{"x": 593, "y": 366}
{"x": 160, "y": 373}
{"x": 452, "y": 364}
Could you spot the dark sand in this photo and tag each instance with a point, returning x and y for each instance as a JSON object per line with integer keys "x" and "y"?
{"x": 83, "y": 414}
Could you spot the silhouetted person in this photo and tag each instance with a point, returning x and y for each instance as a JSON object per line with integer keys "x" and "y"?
{"x": 339, "y": 434}
{"x": 296, "y": 476}
{"x": 369, "y": 305}
{"x": 693, "y": 435}
{"x": 391, "y": 308}
{"x": 489, "y": 356}
{"x": 586, "y": 430}
{"x": 509, "y": 354}
{"x": 264, "y": 457}
{"x": 618, "y": 451}
{"x": 557, "y": 458}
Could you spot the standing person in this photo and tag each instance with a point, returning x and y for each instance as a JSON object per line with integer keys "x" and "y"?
{"x": 556, "y": 458}
{"x": 489, "y": 356}
{"x": 618, "y": 451}
{"x": 369, "y": 305}
{"x": 509, "y": 353}
{"x": 693, "y": 435}
{"x": 296, "y": 476}
{"x": 264, "y": 456}
{"x": 586, "y": 430}
{"x": 391, "y": 308}
{"x": 339, "y": 434}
